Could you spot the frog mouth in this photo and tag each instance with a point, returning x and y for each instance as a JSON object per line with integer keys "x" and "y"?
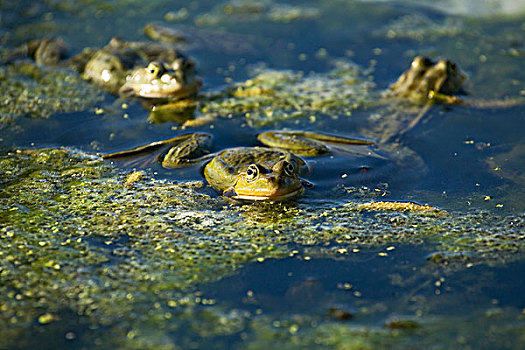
{"x": 230, "y": 193}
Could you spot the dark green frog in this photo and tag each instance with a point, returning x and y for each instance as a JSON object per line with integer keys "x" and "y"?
{"x": 145, "y": 65}
{"x": 249, "y": 173}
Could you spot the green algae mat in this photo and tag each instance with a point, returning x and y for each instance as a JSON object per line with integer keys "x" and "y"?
{"x": 86, "y": 254}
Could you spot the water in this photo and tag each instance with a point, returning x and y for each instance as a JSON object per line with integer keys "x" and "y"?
{"x": 384, "y": 286}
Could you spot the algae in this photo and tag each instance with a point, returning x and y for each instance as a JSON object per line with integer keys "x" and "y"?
{"x": 94, "y": 257}
{"x": 37, "y": 92}
{"x": 250, "y": 11}
{"x": 273, "y": 95}
{"x": 419, "y": 27}
{"x": 301, "y": 333}
{"x": 78, "y": 237}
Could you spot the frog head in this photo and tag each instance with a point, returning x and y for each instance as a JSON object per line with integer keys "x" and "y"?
{"x": 261, "y": 183}
{"x": 162, "y": 80}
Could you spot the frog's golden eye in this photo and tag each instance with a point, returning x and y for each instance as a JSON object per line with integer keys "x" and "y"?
{"x": 252, "y": 173}
{"x": 288, "y": 168}
{"x": 155, "y": 69}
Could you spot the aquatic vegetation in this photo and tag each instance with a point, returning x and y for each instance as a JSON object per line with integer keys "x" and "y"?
{"x": 38, "y": 92}
{"x": 287, "y": 13}
{"x": 301, "y": 333}
{"x": 249, "y": 10}
{"x": 126, "y": 252}
{"x": 400, "y": 207}
{"x": 274, "y": 95}
{"x": 419, "y": 27}
{"x": 93, "y": 256}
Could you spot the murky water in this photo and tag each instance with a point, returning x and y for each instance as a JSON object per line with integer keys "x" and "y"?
{"x": 382, "y": 293}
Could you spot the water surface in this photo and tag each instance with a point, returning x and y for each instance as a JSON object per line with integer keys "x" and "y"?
{"x": 312, "y": 273}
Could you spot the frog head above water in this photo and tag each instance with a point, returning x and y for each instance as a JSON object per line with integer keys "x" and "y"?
{"x": 161, "y": 80}
{"x": 263, "y": 183}
{"x": 426, "y": 78}
{"x": 248, "y": 173}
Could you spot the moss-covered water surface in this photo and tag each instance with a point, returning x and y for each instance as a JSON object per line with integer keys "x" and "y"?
{"x": 98, "y": 255}
{"x": 84, "y": 249}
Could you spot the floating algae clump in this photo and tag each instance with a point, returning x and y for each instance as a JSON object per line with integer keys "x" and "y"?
{"x": 254, "y": 11}
{"x": 273, "y": 95}
{"x": 37, "y": 92}
{"x": 306, "y": 333}
{"x": 76, "y": 237}
{"x": 79, "y": 241}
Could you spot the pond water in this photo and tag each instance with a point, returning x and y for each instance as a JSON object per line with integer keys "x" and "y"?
{"x": 91, "y": 263}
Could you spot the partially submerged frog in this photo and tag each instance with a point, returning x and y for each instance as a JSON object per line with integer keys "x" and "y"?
{"x": 111, "y": 65}
{"x": 426, "y": 80}
{"x": 120, "y": 62}
{"x": 408, "y": 99}
{"x": 424, "y": 84}
{"x": 160, "y": 80}
{"x": 249, "y": 173}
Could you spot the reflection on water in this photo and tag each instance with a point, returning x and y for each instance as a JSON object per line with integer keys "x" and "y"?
{"x": 288, "y": 279}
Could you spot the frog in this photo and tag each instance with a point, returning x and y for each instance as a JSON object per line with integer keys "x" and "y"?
{"x": 408, "y": 99}
{"x": 161, "y": 80}
{"x": 162, "y": 77}
{"x": 427, "y": 80}
{"x": 120, "y": 62}
{"x": 270, "y": 173}
{"x": 111, "y": 65}
{"x": 425, "y": 83}
{"x": 44, "y": 51}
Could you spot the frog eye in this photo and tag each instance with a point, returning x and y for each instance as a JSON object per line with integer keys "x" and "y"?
{"x": 252, "y": 173}
{"x": 288, "y": 168}
{"x": 155, "y": 69}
